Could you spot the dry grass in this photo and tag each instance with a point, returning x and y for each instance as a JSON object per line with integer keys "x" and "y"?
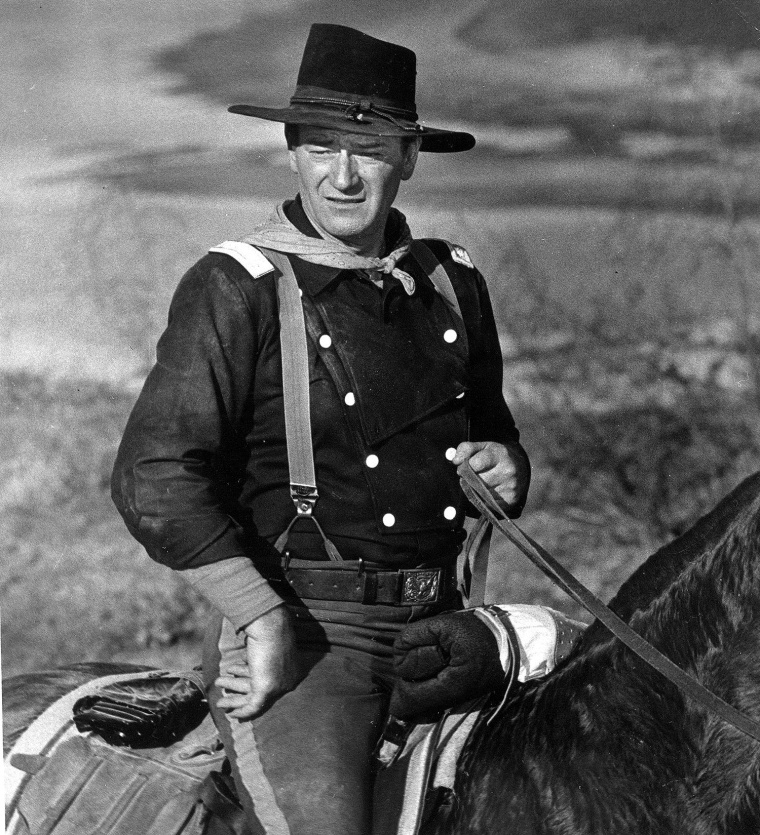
{"x": 74, "y": 585}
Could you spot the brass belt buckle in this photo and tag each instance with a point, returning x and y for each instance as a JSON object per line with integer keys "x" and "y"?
{"x": 420, "y": 585}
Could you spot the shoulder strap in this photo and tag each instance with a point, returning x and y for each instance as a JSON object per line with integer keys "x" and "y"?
{"x": 247, "y": 256}
{"x": 436, "y": 273}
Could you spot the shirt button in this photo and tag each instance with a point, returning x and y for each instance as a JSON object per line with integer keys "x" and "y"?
{"x": 450, "y": 453}
{"x": 450, "y": 335}
{"x": 350, "y": 399}
{"x": 389, "y": 520}
{"x": 450, "y": 513}
{"x": 460, "y": 396}
{"x": 372, "y": 461}
{"x": 325, "y": 340}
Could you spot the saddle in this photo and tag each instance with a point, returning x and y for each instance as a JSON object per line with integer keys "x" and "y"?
{"x": 138, "y": 752}
{"x": 128, "y": 753}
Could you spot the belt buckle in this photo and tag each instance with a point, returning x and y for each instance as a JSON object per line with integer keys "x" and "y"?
{"x": 420, "y": 585}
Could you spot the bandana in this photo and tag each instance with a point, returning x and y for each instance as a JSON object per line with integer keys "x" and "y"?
{"x": 279, "y": 234}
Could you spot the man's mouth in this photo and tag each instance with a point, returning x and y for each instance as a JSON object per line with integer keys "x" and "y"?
{"x": 345, "y": 201}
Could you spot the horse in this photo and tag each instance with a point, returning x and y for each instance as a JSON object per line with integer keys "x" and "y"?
{"x": 604, "y": 744}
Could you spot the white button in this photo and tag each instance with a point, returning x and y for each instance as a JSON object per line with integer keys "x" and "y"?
{"x": 300, "y": 292}
{"x": 325, "y": 340}
{"x": 350, "y": 399}
{"x": 460, "y": 396}
{"x": 450, "y": 335}
{"x": 372, "y": 461}
{"x": 450, "y": 513}
{"x": 450, "y": 453}
{"x": 389, "y": 520}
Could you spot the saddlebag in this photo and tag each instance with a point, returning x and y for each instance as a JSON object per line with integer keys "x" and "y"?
{"x": 167, "y": 782}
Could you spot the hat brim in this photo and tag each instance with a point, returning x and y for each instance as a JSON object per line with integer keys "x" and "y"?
{"x": 436, "y": 140}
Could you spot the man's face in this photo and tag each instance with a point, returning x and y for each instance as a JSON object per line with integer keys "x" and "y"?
{"x": 348, "y": 181}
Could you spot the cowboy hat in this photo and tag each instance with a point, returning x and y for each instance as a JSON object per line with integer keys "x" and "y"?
{"x": 353, "y": 82}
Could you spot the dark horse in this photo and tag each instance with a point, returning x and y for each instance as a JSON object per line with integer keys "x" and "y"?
{"x": 604, "y": 746}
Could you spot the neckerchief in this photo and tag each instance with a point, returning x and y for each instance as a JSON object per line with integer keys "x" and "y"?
{"x": 279, "y": 234}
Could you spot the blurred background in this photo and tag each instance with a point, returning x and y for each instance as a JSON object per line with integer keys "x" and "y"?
{"x": 612, "y": 203}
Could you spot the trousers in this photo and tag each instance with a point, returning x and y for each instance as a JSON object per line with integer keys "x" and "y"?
{"x": 305, "y": 766}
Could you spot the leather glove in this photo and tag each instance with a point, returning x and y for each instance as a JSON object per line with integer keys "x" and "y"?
{"x": 442, "y": 661}
{"x": 144, "y": 712}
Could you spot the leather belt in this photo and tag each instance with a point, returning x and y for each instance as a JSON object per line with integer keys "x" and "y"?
{"x": 393, "y": 587}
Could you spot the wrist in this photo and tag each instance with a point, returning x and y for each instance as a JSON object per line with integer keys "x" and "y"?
{"x": 274, "y": 620}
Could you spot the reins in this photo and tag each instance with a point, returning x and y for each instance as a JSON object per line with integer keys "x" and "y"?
{"x": 489, "y": 505}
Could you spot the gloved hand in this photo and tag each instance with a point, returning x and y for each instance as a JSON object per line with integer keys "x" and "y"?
{"x": 143, "y": 712}
{"x": 442, "y": 661}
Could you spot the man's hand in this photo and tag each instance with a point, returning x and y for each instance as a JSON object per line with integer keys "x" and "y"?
{"x": 442, "y": 661}
{"x": 504, "y": 468}
{"x": 249, "y": 689}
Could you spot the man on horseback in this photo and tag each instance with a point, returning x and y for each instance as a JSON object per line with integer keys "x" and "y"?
{"x": 294, "y": 450}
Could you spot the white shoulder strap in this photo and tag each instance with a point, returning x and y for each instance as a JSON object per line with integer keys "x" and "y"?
{"x": 436, "y": 273}
{"x": 247, "y": 256}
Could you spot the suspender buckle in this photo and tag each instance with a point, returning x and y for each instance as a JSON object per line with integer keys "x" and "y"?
{"x": 304, "y": 498}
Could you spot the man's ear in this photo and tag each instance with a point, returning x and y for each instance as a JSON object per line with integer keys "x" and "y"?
{"x": 292, "y": 160}
{"x": 410, "y": 158}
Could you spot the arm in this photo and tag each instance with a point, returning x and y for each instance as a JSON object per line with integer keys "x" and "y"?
{"x": 457, "y": 656}
{"x": 494, "y": 450}
{"x": 182, "y": 454}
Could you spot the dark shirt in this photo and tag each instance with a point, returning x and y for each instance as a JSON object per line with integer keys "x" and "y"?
{"x": 202, "y": 474}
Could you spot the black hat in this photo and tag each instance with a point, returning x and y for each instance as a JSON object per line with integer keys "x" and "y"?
{"x": 351, "y": 81}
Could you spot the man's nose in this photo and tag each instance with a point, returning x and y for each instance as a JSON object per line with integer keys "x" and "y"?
{"x": 343, "y": 172}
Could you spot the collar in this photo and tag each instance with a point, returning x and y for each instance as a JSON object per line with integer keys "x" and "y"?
{"x": 316, "y": 277}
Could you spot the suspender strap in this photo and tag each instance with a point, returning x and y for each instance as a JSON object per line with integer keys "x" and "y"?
{"x": 295, "y": 387}
{"x": 478, "y": 545}
{"x": 475, "y": 569}
{"x": 295, "y": 394}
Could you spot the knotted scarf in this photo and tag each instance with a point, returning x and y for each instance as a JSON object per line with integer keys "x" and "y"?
{"x": 279, "y": 234}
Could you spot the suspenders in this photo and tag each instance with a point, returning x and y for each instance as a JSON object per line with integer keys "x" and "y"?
{"x": 295, "y": 381}
{"x": 295, "y": 389}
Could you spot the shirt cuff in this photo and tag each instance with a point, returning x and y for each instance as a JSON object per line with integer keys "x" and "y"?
{"x": 544, "y": 635}
{"x": 235, "y": 588}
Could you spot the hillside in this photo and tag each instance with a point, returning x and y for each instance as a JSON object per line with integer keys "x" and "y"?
{"x": 683, "y": 66}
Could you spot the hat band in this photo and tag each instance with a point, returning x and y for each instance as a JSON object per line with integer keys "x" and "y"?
{"x": 357, "y": 106}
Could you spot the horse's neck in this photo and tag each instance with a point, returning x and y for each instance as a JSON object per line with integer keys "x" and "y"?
{"x": 693, "y": 592}
{"x": 605, "y": 744}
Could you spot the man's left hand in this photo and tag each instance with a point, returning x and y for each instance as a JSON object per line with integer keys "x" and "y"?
{"x": 504, "y": 468}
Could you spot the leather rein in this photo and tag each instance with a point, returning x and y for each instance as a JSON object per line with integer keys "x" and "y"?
{"x": 487, "y": 501}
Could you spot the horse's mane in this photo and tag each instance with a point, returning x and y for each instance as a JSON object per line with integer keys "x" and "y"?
{"x": 26, "y": 696}
{"x": 739, "y": 510}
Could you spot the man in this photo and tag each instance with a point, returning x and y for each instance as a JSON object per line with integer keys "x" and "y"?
{"x": 401, "y": 376}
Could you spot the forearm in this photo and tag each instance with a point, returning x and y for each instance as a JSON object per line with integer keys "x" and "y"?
{"x": 235, "y": 588}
